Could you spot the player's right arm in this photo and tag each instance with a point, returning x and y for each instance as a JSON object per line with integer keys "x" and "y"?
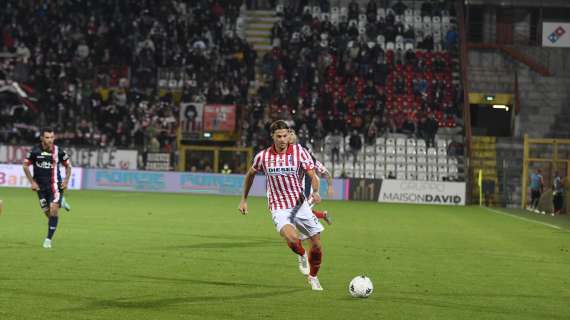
{"x": 247, "y": 183}
{"x": 27, "y": 162}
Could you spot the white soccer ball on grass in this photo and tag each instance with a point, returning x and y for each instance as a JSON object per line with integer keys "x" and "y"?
{"x": 361, "y": 287}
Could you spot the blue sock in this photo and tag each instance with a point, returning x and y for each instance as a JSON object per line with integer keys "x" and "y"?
{"x": 52, "y": 223}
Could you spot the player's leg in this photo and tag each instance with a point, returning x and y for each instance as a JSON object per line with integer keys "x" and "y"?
{"x": 282, "y": 221}
{"x": 65, "y": 204}
{"x": 323, "y": 215}
{"x": 44, "y": 202}
{"x": 53, "y": 218}
{"x": 310, "y": 227}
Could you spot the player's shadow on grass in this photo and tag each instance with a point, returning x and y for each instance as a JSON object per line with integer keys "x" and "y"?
{"x": 226, "y": 245}
{"x": 215, "y": 283}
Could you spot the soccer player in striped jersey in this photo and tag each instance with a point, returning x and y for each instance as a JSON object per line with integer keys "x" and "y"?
{"x": 282, "y": 164}
{"x": 46, "y": 181}
{"x": 322, "y": 171}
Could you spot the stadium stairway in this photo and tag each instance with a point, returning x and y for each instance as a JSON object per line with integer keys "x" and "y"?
{"x": 484, "y": 157}
{"x": 258, "y": 29}
{"x": 509, "y": 170}
{"x": 545, "y": 105}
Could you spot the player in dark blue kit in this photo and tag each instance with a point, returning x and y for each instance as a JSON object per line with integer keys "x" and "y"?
{"x": 47, "y": 182}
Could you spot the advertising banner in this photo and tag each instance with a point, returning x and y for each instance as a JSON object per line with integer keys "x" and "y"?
{"x": 12, "y": 176}
{"x": 183, "y": 182}
{"x": 364, "y": 189}
{"x": 80, "y": 157}
{"x": 556, "y": 34}
{"x": 422, "y": 192}
{"x": 219, "y": 118}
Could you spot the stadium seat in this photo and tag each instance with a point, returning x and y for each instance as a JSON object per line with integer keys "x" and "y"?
{"x": 390, "y": 158}
{"x": 421, "y": 150}
{"x": 401, "y": 176}
{"x": 422, "y": 176}
{"x": 411, "y": 176}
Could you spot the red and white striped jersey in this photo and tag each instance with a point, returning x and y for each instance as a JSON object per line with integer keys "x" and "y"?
{"x": 320, "y": 168}
{"x": 283, "y": 172}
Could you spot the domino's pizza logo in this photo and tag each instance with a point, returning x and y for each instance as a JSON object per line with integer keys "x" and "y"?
{"x": 556, "y": 34}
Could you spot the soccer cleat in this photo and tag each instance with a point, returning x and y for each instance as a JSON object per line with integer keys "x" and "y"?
{"x": 315, "y": 284}
{"x": 304, "y": 264}
{"x": 47, "y": 243}
{"x": 327, "y": 217}
{"x": 65, "y": 205}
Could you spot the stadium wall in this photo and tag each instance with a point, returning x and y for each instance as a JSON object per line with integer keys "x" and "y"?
{"x": 390, "y": 191}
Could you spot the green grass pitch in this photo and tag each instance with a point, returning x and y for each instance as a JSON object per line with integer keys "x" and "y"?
{"x": 164, "y": 256}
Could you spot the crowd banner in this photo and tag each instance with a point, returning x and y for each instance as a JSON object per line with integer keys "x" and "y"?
{"x": 157, "y": 161}
{"x": 80, "y": 157}
{"x": 12, "y": 176}
{"x": 422, "y": 192}
{"x": 220, "y": 118}
{"x": 556, "y": 34}
{"x": 184, "y": 182}
{"x": 191, "y": 116}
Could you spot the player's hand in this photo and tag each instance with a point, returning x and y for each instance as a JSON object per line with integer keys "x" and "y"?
{"x": 243, "y": 207}
{"x": 35, "y": 186}
{"x": 316, "y": 197}
{"x": 64, "y": 185}
{"x": 330, "y": 192}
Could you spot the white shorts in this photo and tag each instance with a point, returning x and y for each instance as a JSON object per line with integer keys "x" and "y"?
{"x": 304, "y": 221}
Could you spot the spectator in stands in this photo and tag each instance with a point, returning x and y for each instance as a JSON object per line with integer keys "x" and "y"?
{"x": 427, "y": 129}
{"x": 451, "y": 39}
{"x": 335, "y": 141}
{"x": 353, "y": 10}
{"x": 399, "y": 7}
{"x": 355, "y": 143}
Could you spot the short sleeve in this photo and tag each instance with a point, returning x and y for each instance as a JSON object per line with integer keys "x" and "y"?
{"x": 320, "y": 168}
{"x": 29, "y": 159}
{"x": 306, "y": 159}
{"x": 258, "y": 162}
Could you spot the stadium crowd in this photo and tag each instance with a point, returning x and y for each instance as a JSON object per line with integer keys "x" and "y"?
{"x": 90, "y": 68}
{"x": 357, "y": 74}
{"x": 66, "y": 55}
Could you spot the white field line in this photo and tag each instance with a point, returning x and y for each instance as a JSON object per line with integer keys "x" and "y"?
{"x": 524, "y": 219}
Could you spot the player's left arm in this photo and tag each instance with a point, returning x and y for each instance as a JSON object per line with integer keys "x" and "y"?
{"x": 324, "y": 172}
{"x": 66, "y": 162}
{"x": 315, "y": 184}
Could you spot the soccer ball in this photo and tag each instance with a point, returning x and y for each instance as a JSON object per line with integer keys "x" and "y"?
{"x": 360, "y": 287}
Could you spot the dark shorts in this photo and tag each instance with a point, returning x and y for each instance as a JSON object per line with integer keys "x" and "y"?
{"x": 47, "y": 197}
{"x": 535, "y": 194}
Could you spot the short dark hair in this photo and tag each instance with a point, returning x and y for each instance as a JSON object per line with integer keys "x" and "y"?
{"x": 278, "y": 125}
{"x": 45, "y": 129}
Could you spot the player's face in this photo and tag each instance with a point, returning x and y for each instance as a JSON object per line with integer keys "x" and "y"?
{"x": 47, "y": 139}
{"x": 281, "y": 139}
